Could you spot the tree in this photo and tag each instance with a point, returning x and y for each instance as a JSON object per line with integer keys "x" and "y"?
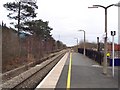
{"x": 40, "y": 32}
{"x": 60, "y": 45}
{"x": 23, "y": 11}
{"x": 38, "y": 28}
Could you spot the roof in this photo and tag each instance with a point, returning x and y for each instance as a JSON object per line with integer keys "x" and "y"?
{"x": 116, "y": 47}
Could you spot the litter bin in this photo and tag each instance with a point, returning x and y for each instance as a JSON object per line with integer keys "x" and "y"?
{"x": 116, "y": 62}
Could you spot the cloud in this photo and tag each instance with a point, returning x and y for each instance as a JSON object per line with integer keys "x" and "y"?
{"x": 66, "y": 17}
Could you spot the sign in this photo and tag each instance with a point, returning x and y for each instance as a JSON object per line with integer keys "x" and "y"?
{"x": 113, "y": 33}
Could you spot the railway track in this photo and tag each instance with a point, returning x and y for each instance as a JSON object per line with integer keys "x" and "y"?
{"x": 32, "y": 77}
{"x": 15, "y": 72}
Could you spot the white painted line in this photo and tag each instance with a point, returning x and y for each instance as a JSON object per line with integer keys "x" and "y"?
{"x": 52, "y": 78}
{"x": 96, "y": 66}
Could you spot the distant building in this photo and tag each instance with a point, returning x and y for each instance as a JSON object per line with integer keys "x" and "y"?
{"x": 119, "y": 31}
{"x": 117, "y": 47}
{"x": 118, "y": 36}
{"x": 117, "y": 50}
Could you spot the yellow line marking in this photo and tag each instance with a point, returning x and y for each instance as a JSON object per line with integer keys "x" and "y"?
{"x": 69, "y": 73}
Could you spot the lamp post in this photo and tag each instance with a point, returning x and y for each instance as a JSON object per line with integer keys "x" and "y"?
{"x": 77, "y": 43}
{"x": 105, "y": 40}
{"x": 84, "y": 39}
{"x": 98, "y": 44}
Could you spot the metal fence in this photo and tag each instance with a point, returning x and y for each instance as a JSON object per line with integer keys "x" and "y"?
{"x": 94, "y": 55}
{"x": 98, "y": 56}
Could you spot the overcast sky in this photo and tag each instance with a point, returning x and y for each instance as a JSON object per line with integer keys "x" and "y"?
{"x": 66, "y": 17}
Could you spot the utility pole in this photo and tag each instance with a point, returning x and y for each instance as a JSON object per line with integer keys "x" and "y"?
{"x": 19, "y": 18}
{"x": 19, "y": 3}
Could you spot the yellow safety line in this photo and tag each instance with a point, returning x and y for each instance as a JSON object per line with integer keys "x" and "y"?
{"x": 69, "y": 73}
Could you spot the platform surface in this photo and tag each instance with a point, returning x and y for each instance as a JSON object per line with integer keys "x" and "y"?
{"x": 84, "y": 73}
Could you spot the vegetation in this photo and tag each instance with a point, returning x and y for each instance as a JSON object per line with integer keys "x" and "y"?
{"x": 32, "y": 48}
{"x": 26, "y": 11}
{"x": 34, "y": 40}
{"x": 91, "y": 45}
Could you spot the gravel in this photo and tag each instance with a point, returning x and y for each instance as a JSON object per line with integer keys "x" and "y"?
{"x": 32, "y": 77}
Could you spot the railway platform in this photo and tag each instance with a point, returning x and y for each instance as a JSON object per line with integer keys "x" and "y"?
{"x": 75, "y": 70}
